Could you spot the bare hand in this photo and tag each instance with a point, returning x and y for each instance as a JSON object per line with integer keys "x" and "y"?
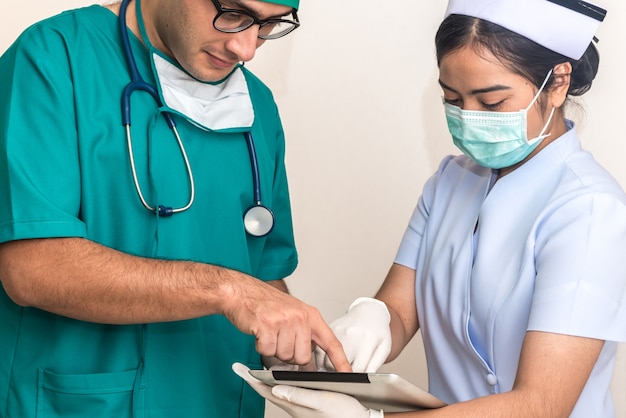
{"x": 284, "y": 326}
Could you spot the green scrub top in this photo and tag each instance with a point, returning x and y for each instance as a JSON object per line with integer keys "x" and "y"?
{"x": 64, "y": 172}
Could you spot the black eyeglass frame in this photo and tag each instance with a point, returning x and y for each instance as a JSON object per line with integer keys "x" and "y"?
{"x": 295, "y": 23}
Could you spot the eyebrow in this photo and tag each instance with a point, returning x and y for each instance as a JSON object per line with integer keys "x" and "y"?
{"x": 238, "y": 5}
{"x": 496, "y": 87}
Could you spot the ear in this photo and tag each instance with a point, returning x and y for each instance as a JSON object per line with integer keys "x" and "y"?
{"x": 558, "y": 91}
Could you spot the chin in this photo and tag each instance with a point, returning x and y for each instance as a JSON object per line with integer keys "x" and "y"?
{"x": 212, "y": 76}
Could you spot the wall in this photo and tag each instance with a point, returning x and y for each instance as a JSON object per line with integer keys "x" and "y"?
{"x": 361, "y": 108}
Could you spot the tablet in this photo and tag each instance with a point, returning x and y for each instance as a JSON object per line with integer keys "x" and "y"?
{"x": 386, "y": 391}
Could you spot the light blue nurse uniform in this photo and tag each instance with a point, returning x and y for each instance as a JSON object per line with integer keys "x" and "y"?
{"x": 542, "y": 250}
{"x": 64, "y": 172}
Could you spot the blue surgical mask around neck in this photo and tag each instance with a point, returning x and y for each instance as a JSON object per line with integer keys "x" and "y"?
{"x": 494, "y": 139}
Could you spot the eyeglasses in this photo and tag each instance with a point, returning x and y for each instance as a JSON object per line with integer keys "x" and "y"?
{"x": 233, "y": 20}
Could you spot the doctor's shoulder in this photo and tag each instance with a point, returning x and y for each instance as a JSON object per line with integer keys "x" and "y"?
{"x": 62, "y": 34}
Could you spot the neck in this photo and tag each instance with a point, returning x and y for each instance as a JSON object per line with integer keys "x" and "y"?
{"x": 131, "y": 16}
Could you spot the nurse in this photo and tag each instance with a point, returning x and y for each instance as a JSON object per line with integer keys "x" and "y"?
{"x": 110, "y": 306}
{"x": 512, "y": 266}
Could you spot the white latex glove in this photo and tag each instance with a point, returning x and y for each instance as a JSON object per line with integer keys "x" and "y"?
{"x": 306, "y": 403}
{"x": 365, "y": 335}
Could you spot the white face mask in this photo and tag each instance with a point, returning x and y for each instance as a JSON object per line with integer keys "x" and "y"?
{"x": 211, "y": 106}
{"x": 494, "y": 139}
{"x": 226, "y": 105}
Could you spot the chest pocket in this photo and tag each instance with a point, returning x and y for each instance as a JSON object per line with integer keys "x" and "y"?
{"x": 89, "y": 395}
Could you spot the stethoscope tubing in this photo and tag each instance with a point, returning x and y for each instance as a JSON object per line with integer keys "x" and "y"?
{"x": 138, "y": 83}
{"x": 258, "y": 219}
{"x": 254, "y": 164}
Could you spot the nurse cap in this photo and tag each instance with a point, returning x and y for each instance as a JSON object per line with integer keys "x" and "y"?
{"x": 563, "y": 26}
{"x": 290, "y": 3}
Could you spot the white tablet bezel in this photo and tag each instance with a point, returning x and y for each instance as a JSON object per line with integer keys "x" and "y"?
{"x": 386, "y": 391}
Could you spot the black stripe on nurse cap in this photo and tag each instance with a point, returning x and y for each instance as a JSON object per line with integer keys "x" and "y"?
{"x": 583, "y": 7}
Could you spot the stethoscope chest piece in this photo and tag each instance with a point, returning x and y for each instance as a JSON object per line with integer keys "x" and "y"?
{"x": 258, "y": 220}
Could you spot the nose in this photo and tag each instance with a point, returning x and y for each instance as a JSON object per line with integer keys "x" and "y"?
{"x": 470, "y": 104}
{"x": 244, "y": 44}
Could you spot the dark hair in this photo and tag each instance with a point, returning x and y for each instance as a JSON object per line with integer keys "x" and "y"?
{"x": 517, "y": 53}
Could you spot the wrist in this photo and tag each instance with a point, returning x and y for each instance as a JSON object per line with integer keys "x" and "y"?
{"x": 224, "y": 289}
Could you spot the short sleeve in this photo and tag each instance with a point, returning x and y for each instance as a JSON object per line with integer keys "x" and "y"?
{"x": 280, "y": 259}
{"x": 411, "y": 241}
{"x": 581, "y": 269}
{"x": 38, "y": 161}
{"x": 279, "y": 255}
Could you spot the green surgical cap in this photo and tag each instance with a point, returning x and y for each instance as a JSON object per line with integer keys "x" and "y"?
{"x": 290, "y": 3}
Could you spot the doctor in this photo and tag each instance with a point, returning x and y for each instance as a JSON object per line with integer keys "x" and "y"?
{"x": 512, "y": 265}
{"x": 133, "y": 143}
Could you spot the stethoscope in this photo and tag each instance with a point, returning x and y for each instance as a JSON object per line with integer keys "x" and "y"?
{"x": 258, "y": 219}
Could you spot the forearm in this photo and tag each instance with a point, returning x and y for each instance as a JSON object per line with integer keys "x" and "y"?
{"x": 84, "y": 280}
{"x": 553, "y": 370}
{"x": 280, "y": 285}
{"x": 503, "y": 405}
{"x": 400, "y": 336}
{"x": 398, "y": 294}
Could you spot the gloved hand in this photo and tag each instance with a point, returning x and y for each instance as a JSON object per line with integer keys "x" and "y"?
{"x": 365, "y": 335}
{"x": 306, "y": 403}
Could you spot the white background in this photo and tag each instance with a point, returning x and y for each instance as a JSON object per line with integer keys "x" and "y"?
{"x": 357, "y": 89}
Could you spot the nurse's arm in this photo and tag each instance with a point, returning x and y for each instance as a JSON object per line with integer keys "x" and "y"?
{"x": 83, "y": 280}
{"x": 398, "y": 293}
{"x": 552, "y": 373}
